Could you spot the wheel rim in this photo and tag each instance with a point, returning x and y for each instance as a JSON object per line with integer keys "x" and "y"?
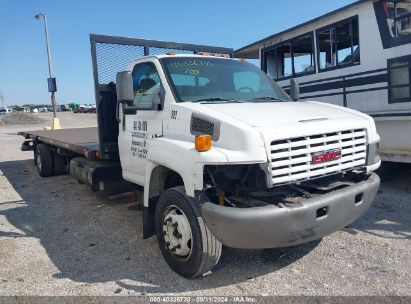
{"x": 38, "y": 161}
{"x": 177, "y": 233}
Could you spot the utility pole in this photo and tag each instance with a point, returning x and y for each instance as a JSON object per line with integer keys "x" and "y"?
{"x": 51, "y": 81}
{"x": 2, "y": 99}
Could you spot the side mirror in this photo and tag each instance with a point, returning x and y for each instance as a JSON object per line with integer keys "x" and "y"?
{"x": 124, "y": 87}
{"x": 294, "y": 89}
{"x": 125, "y": 93}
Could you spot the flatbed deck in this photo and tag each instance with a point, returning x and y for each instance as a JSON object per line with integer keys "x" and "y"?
{"x": 78, "y": 140}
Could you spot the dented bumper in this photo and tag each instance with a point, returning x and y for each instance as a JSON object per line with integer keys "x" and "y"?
{"x": 272, "y": 226}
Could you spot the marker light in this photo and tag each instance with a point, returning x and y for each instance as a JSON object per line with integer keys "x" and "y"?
{"x": 202, "y": 53}
{"x": 203, "y": 143}
{"x": 213, "y": 54}
{"x": 170, "y": 53}
{"x": 223, "y": 55}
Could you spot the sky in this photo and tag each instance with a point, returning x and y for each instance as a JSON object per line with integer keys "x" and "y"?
{"x": 23, "y": 58}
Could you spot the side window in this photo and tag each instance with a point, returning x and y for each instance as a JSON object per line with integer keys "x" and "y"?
{"x": 279, "y": 62}
{"x": 303, "y": 54}
{"x": 398, "y": 16}
{"x": 293, "y": 58}
{"x": 326, "y": 49}
{"x": 146, "y": 84}
{"x": 399, "y": 71}
{"x": 338, "y": 45}
{"x": 394, "y": 22}
{"x": 283, "y": 62}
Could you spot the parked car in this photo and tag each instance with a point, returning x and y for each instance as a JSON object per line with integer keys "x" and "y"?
{"x": 80, "y": 110}
{"x": 64, "y": 108}
{"x": 5, "y": 111}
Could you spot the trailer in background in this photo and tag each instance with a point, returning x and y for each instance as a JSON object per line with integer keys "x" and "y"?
{"x": 359, "y": 57}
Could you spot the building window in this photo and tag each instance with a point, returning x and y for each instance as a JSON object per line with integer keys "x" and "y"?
{"x": 290, "y": 58}
{"x": 303, "y": 52}
{"x": 399, "y": 71}
{"x": 394, "y": 22}
{"x": 338, "y": 45}
{"x": 398, "y": 16}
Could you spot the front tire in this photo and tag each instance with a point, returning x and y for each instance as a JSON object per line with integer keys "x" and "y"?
{"x": 187, "y": 245}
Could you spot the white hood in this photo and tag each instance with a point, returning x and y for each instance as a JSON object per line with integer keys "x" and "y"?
{"x": 276, "y": 120}
{"x": 280, "y": 113}
{"x": 247, "y": 129}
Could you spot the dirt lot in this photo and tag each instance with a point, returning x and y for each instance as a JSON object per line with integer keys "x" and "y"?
{"x": 59, "y": 238}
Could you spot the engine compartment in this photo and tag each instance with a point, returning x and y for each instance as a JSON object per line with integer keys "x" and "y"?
{"x": 246, "y": 186}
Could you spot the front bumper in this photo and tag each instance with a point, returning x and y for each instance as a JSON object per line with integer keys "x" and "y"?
{"x": 272, "y": 226}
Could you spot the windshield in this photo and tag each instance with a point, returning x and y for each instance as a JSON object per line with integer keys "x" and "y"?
{"x": 215, "y": 80}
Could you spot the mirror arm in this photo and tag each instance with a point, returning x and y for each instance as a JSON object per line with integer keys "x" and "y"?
{"x": 121, "y": 102}
{"x": 162, "y": 95}
{"x": 129, "y": 109}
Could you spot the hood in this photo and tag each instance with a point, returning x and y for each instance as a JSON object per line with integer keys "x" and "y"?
{"x": 280, "y": 113}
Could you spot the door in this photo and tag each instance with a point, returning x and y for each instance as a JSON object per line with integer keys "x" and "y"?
{"x": 136, "y": 131}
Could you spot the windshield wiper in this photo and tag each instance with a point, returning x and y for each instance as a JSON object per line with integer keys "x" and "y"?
{"x": 218, "y": 99}
{"x": 267, "y": 98}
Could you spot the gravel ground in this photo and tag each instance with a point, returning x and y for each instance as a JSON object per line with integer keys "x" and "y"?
{"x": 59, "y": 238}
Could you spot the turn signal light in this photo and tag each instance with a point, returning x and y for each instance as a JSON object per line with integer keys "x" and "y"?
{"x": 203, "y": 143}
{"x": 170, "y": 53}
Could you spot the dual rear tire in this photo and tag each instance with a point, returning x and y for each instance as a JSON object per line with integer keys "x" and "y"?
{"x": 49, "y": 162}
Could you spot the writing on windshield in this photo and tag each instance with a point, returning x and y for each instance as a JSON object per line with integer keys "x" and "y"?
{"x": 220, "y": 80}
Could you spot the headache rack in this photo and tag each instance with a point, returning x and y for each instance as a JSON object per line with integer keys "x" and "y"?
{"x": 111, "y": 54}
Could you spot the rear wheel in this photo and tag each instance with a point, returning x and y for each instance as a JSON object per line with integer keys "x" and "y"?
{"x": 44, "y": 160}
{"x": 187, "y": 245}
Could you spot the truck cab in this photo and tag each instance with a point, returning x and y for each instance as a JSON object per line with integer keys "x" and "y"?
{"x": 260, "y": 169}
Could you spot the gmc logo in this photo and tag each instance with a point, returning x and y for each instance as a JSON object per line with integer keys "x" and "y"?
{"x": 327, "y": 156}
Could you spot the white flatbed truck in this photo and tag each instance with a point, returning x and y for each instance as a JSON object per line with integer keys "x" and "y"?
{"x": 225, "y": 156}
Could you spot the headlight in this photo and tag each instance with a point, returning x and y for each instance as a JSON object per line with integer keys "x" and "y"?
{"x": 373, "y": 154}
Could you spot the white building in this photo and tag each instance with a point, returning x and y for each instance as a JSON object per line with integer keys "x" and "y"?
{"x": 359, "y": 57}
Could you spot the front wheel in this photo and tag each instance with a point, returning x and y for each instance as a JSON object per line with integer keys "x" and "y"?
{"x": 187, "y": 245}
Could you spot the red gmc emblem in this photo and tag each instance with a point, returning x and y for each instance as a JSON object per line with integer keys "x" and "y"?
{"x": 322, "y": 157}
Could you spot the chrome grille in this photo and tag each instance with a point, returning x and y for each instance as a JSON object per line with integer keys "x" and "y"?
{"x": 291, "y": 159}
